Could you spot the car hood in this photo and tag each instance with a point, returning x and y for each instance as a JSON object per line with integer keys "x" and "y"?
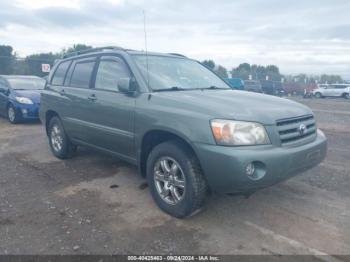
{"x": 233, "y": 104}
{"x": 33, "y": 95}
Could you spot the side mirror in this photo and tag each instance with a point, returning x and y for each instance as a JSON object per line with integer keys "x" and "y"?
{"x": 127, "y": 85}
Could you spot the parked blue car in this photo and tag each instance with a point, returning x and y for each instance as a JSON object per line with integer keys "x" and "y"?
{"x": 20, "y": 97}
{"x": 235, "y": 83}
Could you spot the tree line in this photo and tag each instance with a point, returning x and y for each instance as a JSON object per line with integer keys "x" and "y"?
{"x": 11, "y": 63}
{"x": 246, "y": 71}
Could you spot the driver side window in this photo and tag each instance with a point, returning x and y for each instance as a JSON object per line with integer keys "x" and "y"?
{"x": 109, "y": 72}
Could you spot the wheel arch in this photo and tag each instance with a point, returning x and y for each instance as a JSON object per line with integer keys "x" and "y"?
{"x": 18, "y": 112}
{"x": 155, "y": 137}
{"x": 48, "y": 116}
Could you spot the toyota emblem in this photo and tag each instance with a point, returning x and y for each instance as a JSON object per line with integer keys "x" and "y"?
{"x": 302, "y": 129}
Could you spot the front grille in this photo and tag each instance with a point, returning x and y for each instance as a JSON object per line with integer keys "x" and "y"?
{"x": 289, "y": 129}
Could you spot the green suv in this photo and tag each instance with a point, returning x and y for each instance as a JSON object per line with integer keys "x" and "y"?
{"x": 187, "y": 131}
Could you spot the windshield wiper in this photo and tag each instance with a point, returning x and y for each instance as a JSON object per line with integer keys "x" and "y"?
{"x": 173, "y": 88}
{"x": 214, "y": 88}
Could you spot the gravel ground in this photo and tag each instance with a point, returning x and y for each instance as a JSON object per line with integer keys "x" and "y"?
{"x": 94, "y": 204}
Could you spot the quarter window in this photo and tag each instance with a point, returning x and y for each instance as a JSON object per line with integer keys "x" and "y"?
{"x": 82, "y": 74}
{"x": 109, "y": 72}
{"x": 60, "y": 73}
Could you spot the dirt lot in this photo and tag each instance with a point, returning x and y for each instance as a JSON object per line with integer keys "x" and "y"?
{"x": 48, "y": 206}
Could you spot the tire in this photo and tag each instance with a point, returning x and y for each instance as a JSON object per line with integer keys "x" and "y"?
{"x": 346, "y": 96}
{"x": 187, "y": 200}
{"x": 318, "y": 95}
{"x": 59, "y": 142}
{"x": 12, "y": 114}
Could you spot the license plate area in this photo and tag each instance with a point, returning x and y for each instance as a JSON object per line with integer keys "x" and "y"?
{"x": 313, "y": 155}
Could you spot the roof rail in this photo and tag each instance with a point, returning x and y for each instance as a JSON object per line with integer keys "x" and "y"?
{"x": 92, "y": 50}
{"x": 176, "y": 54}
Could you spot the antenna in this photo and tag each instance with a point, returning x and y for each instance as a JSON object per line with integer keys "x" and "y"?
{"x": 144, "y": 29}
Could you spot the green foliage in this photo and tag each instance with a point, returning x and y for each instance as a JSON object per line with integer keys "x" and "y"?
{"x": 305, "y": 79}
{"x": 75, "y": 48}
{"x": 257, "y": 72}
{"x": 6, "y": 60}
{"x": 330, "y": 79}
{"x": 34, "y": 62}
{"x": 31, "y": 65}
{"x": 20, "y": 67}
{"x": 209, "y": 64}
{"x": 221, "y": 71}
{"x": 218, "y": 69}
{"x": 242, "y": 71}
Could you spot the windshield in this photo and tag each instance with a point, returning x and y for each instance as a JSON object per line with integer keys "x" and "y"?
{"x": 176, "y": 73}
{"x": 26, "y": 83}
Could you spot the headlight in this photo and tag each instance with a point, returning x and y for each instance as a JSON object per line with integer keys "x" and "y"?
{"x": 24, "y": 100}
{"x": 238, "y": 133}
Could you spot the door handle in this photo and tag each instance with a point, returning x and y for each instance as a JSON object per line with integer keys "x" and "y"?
{"x": 62, "y": 92}
{"x": 92, "y": 97}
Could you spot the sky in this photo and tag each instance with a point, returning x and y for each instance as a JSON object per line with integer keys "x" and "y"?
{"x": 309, "y": 36}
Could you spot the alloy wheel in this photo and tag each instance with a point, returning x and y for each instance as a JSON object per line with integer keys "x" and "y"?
{"x": 11, "y": 114}
{"x": 169, "y": 180}
{"x": 56, "y": 138}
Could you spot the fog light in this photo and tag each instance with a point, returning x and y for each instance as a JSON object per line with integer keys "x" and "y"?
{"x": 250, "y": 169}
{"x": 24, "y": 111}
{"x": 255, "y": 170}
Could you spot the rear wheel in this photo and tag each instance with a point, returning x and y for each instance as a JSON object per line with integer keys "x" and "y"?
{"x": 346, "y": 96}
{"x": 12, "y": 114}
{"x": 59, "y": 142}
{"x": 175, "y": 178}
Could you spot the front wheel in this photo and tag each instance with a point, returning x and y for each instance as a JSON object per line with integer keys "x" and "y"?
{"x": 59, "y": 142}
{"x": 346, "y": 96}
{"x": 12, "y": 115}
{"x": 175, "y": 179}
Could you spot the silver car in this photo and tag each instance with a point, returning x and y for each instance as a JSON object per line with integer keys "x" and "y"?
{"x": 333, "y": 90}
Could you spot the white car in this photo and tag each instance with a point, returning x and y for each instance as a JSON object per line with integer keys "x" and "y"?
{"x": 333, "y": 90}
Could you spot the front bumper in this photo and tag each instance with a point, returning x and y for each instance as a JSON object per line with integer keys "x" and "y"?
{"x": 225, "y": 167}
{"x": 28, "y": 111}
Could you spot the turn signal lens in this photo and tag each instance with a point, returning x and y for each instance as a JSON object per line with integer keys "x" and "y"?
{"x": 217, "y": 132}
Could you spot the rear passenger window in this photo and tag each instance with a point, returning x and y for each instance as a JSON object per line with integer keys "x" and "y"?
{"x": 82, "y": 74}
{"x": 60, "y": 73}
{"x": 109, "y": 72}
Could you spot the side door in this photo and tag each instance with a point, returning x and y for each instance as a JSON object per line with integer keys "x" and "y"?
{"x": 327, "y": 91}
{"x": 4, "y": 94}
{"x": 111, "y": 113}
{"x": 339, "y": 90}
{"x": 335, "y": 90}
{"x": 77, "y": 90}
{"x": 54, "y": 98}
